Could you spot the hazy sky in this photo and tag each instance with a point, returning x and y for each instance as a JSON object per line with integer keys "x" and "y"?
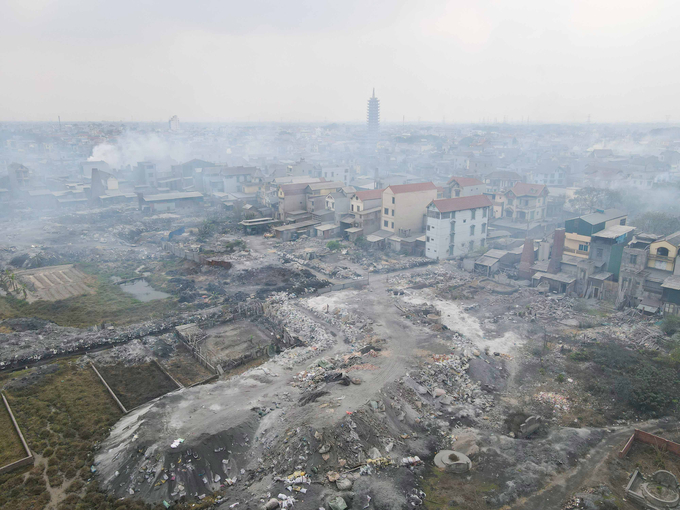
{"x": 313, "y": 60}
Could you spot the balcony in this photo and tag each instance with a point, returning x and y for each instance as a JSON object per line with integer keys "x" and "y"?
{"x": 660, "y": 258}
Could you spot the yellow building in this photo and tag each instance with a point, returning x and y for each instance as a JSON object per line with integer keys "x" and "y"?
{"x": 404, "y": 207}
{"x": 664, "y": 252}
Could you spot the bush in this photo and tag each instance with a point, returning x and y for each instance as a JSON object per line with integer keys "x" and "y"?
{"x": 560, "y": 378}
{"x": 670, "y": 325}
{"x": 334, "y": 245}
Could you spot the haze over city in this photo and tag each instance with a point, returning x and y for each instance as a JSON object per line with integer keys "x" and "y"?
{"x": 308, "y": 61}
{"x": 313, "y": 255}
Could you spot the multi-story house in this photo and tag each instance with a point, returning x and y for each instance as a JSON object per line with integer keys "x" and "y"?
{"x": 404, "y": 207}
{"x": 579, "y": 230}
{"x": 464, "y": 187}
{"x": 315, "y": 194}
{"x": 526, "y": 202}
{"x": 501, "y": 180}
{"x": 456, "y": 226}
{"x": 364, "y": 213}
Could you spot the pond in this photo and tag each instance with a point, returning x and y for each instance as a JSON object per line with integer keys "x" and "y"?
{"x": 141, "y": 290}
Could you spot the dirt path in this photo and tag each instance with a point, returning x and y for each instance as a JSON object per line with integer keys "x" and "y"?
{"x": 565, "y": 484}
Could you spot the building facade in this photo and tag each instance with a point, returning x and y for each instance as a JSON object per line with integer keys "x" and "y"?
{"x": 456, "y": 226}
{"x": 404, "y": 207}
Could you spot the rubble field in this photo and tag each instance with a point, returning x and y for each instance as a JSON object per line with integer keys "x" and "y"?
{"x": 333, "y": 399}
{"x": 234, "y": 343}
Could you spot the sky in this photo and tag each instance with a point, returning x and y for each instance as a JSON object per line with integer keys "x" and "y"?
{"x": 318, "y": 61}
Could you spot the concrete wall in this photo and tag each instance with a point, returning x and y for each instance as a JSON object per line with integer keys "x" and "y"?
{"x": 26, "y": 461}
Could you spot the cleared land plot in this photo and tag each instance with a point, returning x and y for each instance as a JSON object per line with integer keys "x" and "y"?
{"x": 11, "y": 448}
{"x": 183, "y": 367}
{"x": 236, "y": 341}
{"x": 137, "y": 384}
{"x": 55, "y": 283}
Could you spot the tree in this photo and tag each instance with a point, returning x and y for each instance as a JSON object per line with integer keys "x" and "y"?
{"x": 657, "y": 223}
{"x": 11, "y": 285}
{"x": 587, "y": 199}
{"x": 334, "y": 245}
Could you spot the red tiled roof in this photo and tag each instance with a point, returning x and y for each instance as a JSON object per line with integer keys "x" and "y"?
{"x": 462, "y": 203}
{"x": 409, "y": 188}
{"x": 522, "y": 189}
{"x": 370, "y": 194}
{"x": 465, "y": 181}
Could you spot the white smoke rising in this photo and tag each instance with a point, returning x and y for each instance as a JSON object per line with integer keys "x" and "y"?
{"x": 131, "y": 148}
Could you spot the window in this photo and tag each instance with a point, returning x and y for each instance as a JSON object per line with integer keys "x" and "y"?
{"x": 662, "y": 252}
{"x": 482, "y": 242}
{"x": 387, "y": 211}
{"x": 351, "y": 207}
{"x": 392, "y": 199}
{"x": 474, "y": 211}
{"x": 582, "y": 247}
{"x": 633, "y": 259}
{"x": 428, "y": 227}
{"x": 428, "y": 239}
{"x": 622, "y": 222}
{"x": 392, "y": 224}
{"x": 599, "y": 253}
{"x": 385, "y": 223}
{"x": 472, "y": 245}
{"x": 484, "y": 212}
{"x": 483, "y": 228}
{"x": 392, "y": 212}
{"x": 472, "y": 230}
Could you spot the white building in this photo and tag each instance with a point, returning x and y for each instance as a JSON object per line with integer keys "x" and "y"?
{"x": 456, "y": 226}
{"x": 174, "y": 123}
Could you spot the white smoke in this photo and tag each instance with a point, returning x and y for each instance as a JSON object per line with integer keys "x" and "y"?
{"x": 131, "y": 148}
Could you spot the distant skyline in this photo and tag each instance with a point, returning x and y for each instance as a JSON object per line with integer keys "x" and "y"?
{"x": 318, "y": 61}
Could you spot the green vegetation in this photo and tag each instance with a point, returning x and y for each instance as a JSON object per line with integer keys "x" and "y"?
{"x": 671, "y": 325}
{"x": 137, "y": 384}
{"x": 11, "y": 448}
{"x": 10, "y": 284}
{"x": 361, "y": 242}
{"x": 334, "y": 245}
{"x": 657, "y": 223}
{"x": 63, "y": 415}
{"x": 109, "y": 304}
{"x": 642, "y": 380}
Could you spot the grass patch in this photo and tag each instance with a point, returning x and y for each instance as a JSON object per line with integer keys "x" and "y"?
{"x": 137, "y": 384}
{"x": 447, "y": 490}
{"x": 643, "y": 381}
{"x": 64, "y": 414}
{"x": 11, "y": 448}
{"x": 109, "y": 304}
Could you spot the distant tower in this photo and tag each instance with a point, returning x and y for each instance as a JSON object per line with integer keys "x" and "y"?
{"x": 174, "y": 123}
{"x": 373, "y": 118}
